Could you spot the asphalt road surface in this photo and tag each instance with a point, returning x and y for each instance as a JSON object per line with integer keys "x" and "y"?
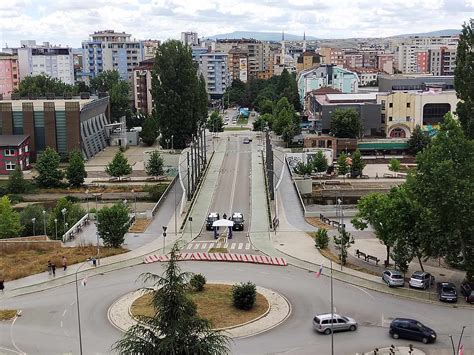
{"x": 49, "y": 321}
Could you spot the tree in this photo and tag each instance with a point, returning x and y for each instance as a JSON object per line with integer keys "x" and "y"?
{"x": 357, "y": 166}
{"x": 113, "y": 223}
{"x": 464, "y": 78}
{"x": 244, "y": 295}
{"x": 74, "y": 212}
{"x": 288, "y": 88}
{"x": 321, "y": 238}
{"x": 119, "y": 166}
{"x": 394, "y": 165}
{"x": 401, "y": 255}
{"x": 266, "y": 106}
{"x": 175, "y": 328}
{"x": 76, "y": 171}
{"x": 342, "y": 166}
{"x": 260, "y": 123}
{"x": 119, "y": 91}
{"x": 282, "y": 120}
{"x": 418, "y": 141}
{"x": 373, "y": 210}
{"x": 319, "y": 162}
{"x": 177, "y": 100}
{"x": 154, "y": 166}
{"x": 150, "y": 131}
{"x": 16, "y": 182}
{"x": 47, "y": 166}
{"x": 345, "y": 123}
{"x": 342, "y": 242}
{"x": 203, "y": 100}
{"x": 303, "y": 169}
{"x": 43, "y": 84}
{"x": 215, "y": 122}
{"x": 26, "y": 216}
{"x": 443, "y": 184}
{"x": 10, "y": 225}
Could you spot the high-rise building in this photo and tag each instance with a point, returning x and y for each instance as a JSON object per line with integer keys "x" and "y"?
{"x": 332, "y": 56}
{"x": 9, "y": 76}
{"x": 237, "y": 62}
{"x": 190, "y": 38}
{"x": 110, "y": 50}
{"x": 213, "y": 66}
{"x": 149, "y": 47}
{"x": 55, "y": 61}
{"x": 142, "y": 86}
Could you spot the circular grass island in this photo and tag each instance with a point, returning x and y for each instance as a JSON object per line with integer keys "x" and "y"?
{"x": 214, "y": 303}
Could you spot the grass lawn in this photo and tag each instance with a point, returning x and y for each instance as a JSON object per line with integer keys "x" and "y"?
{"x": 7, "y": 314}
{"x": 243, "y": 120}
{"x": 15, "y": 265}
{"x": 218, "y": 250}
{"x": 236, "y": 129}
{"x": 139, "y": 226}
{"x": 213, "y": 303}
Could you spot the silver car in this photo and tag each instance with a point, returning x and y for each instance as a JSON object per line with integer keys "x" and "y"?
{"x": 322, "y": 323}
{"x": 393, "y": 278}
{"x": 421, "y": 279}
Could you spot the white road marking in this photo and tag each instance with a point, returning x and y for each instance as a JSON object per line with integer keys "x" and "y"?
{"x": 196, "y": 246}
{"x": 204, "y": 246}
{"x": 240, "y": 246}
{"x": 234, "y": 182}
{"x": 190, "y": 246}
{"x": 211, "y": 246}
{"x": 247, "y": 246}
{"x": 10, "y": 350}
{"x": 263, "y": 272}
{"x": 72, "y": 303}
{"x": 61, "y": 324}
{"x": 361, "y": 289}
{"x": 226, "y": 245}
{"x": 232, "y": 246}
{"x": 11, "y": 337}
{"x": 64, "y": 312}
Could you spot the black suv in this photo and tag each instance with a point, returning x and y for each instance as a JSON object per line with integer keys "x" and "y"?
{"x": 238, "y": 219}
{"x": 467, "y": 289}
{"x": 447, "y": 292}
{"x": 411, "y": 329}
{"x": 213, "y": 216}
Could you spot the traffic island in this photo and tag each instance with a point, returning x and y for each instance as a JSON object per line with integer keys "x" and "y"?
{"x": 7, "y": 314}
{"x": 270, "y": 310}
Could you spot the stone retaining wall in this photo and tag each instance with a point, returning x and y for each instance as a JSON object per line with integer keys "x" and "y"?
{"x": 28, "y": 243}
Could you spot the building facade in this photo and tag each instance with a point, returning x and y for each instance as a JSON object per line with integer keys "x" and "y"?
{"x": 237, "y": 62}
{"x": 14, "y": 152}
{"x": 190, "y": 38}
{"x": 142, "y": 85}
{"x": 333, "y": 56}
{"x": 63, "y": 125}
{"x": 9, "y": 74}
{"x": 307, "y": 60}
{"x": 110, "y": 50}
{"x": 149, "y": 48}
{"x": 400, "y": 82}
{"x": 213, "y": 66}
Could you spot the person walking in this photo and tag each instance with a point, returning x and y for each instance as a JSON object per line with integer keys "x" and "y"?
{"x": 64, "y": 262}
{"x": 50, "y": 267}
{"x": 2, "y": 285}
{"x": 53, "y": 269}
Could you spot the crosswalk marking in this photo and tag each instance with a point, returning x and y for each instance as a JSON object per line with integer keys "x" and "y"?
{"x": 209, "y": 245}
{"x": 204, "y": 245}
{"x": 232, "y": 246}
{"x": 247, "y": 246}
{"x": 241, "y": 245}
{"x": 226, "y": 245}
{"x": 196, "y": 246}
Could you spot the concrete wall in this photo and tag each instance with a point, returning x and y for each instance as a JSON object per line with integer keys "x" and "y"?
{"x": 29, "y": 243}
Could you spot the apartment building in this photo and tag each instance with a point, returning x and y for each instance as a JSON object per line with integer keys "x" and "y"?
{"x": 366, "y": 76}
{"x": 110, "y": 50}
{"x": 386, "y": 62}
{"x": 333, "y": 56}
{"x": 414, "y": 82}
{"x": 253, "y": 48}
{"x": 442, "y": 61}
{"x": 142, "y": 75}
{"x": 214, "y": 68}
{"x": 9, "y": 74}
{"x": 237, "y": 63}
{"x": 190, "y": 38}
{"x": 149, "y": 48}
{"x": 14, "y": 152}
{"x": 307, "y": 60}
{"x": 35, "y": 59}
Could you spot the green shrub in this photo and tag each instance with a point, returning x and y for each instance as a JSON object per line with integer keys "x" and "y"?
{"x": 321, "y": 238}
{"x": 72, "y": 199}
{"x": 14, "y": 198}
{"x": 244, "y": 295}
{"x": 197, "y": 282}
{"x": 155, "y": 191}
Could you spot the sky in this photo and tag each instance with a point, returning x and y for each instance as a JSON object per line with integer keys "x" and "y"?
{"x": 69, "y": 22}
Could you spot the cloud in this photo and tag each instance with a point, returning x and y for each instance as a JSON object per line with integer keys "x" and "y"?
{"x": 71, "y": 21}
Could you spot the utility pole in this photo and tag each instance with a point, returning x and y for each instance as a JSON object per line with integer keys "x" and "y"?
{"x": 187, "y": 177}
{"x": 332, "y": 315}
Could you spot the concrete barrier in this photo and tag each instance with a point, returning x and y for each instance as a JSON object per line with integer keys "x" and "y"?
{"x": 29, "y": 243}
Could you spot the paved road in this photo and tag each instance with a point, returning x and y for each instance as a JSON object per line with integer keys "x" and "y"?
{"x": 49, "y": 321}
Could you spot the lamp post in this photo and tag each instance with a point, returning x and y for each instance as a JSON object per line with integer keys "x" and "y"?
{"x": 164, "y": 237}
{"x": 190, "y": 219}
{"x": 175, "y": 213}
{"x": 87, "y": 199}
{"x": 167, "y": 140}
{"x": 172, "y": 146}
{"x": 44, "y": 222}
{"x": 63, "y": 211}
{"x": 33, "y": 220}
{"x": 56, "y": 227}
{"x": 341, "y": 214}
{"x": 135, "y": 198}
{"x": 96, "y": 195}
{"x": 78, "y": 308}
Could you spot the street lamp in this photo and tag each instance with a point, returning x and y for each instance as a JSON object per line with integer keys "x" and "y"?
{"x": 341, "y": 214}
{"x": 34, "y": 221}
{"x": 172, "y": 142}
{"x": 96, "y": 195}
{"x": 87, "y": 198}
{"x": 190, "y": 219}
{"x": 44, "y": 222}
{"x": 167, "y": 140}
{"x": 135, "y": 198}
{"x": 56, "y": 227}
{"x": 78, "y": 307}
{"x": 64, "y": 211}
{"x": 164, "y": 237}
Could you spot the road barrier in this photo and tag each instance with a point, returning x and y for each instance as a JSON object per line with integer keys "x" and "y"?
{"x": 228, "y": 257}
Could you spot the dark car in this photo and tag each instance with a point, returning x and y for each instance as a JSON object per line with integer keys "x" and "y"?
{"x": 213, "y": 216}
{"x": 467, "y": 289}
{"x": 238, "y": 219}
{"x": 411, "y": 329}
{"x": 447, "y": 292}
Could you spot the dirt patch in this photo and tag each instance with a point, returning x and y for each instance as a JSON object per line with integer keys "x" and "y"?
{"x": 213, "y": 303}
{"x": 335, "y": 258}
{"x": 7, "y": 314}
{"x": 316, "y": 222}
{"x": 29, "y": 262}
{"x": 139, "y": 226}
{"x": 218, "y": 250}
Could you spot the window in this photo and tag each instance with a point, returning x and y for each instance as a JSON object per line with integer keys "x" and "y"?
{"x": 408, "y": 118}
{"x": 10, "y": 165}
{"x": 389, "y": 118}
{"x": 390, "y": 104}
{"x": 19, "y": 152}
{"x": 9, "y": 152}
{"x": 341, "y": 321}
{"x": 408, "y": 105}
{"x": 382, "y": 117}
{"x": 383, "y": 102}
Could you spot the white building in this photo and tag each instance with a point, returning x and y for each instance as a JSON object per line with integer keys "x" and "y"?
{"x": 214, "y": 68}
{"x": 54, "y": 61}
{"x": 190, "y": 38}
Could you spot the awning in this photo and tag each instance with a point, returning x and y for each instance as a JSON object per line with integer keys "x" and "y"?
{"x": 223, "y": 223}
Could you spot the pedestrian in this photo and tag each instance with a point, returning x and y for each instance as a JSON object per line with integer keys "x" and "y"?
{"x": 2, "y": 285}
{"x": 50, "y": 267}
{"x": 64, "y": 262}
{"x": 53, "y": 268}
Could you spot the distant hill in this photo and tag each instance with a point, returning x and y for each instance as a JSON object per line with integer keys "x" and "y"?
{"x": 432, "y": 33}
{"x": 261, "y": 36}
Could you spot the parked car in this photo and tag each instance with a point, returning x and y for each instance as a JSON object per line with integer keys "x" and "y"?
{"x": 411, "y": 329}
{"x": 447, "y": 292}
{"x": 393, "y": 278}
{"x": 246, "y": 140}
{"x": 421, "y": 279}
{"x": 238, "y": 219}
{"x": 467, "y": 289}
{"x": 211, "y": 218}
{"x": 322, "y": 323}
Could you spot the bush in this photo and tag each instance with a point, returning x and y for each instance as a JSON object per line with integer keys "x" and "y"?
{"x": 72, "y": 199}
{"x": 322, "y": 239}
{"x": 14, "y": 199}
{"x": 197, "y": 282}
{"x": 244, "y": 295}
{"x": 155, "y": 191}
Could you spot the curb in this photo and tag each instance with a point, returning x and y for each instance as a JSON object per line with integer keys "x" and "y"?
{"x": 373, "y": 288}
{"x": 226, "y": 257}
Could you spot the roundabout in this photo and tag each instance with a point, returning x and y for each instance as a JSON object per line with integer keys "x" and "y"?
{"x": 272, "y": 310}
